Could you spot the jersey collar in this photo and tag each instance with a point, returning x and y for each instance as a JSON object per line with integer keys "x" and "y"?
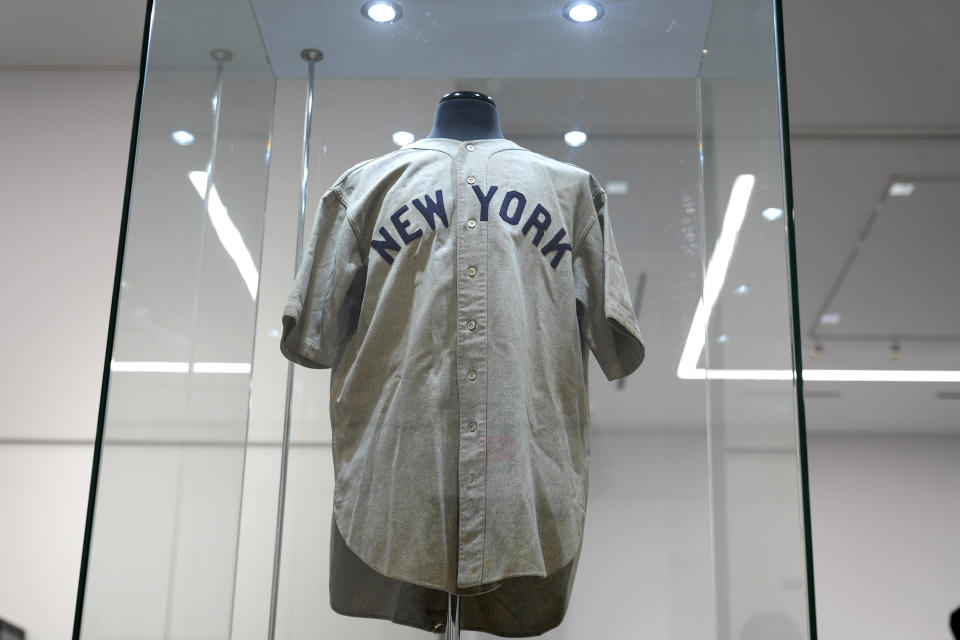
{"x": 451, "y": 145}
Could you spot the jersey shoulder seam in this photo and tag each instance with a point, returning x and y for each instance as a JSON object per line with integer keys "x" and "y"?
{"x": 583, "y": 234}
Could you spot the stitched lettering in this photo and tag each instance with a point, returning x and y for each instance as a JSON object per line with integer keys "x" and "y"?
{"x": 432, "y": 208}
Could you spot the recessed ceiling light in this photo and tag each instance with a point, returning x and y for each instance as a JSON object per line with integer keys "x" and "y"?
{"x": 723, "y": 339}
{"x": 381, "y": 11}
{"x": 401, "y": 138}
{"x": 830, "y": 318}
{"x": 618, "y": 187}
{"x": 742, "y": 290}
{"x": 182, "y": 138}
{"x": 583, "y": 11}
{"x": 772, "y": 213}
{"x": 901, "y": 188}
{"x": 575, "y": 138}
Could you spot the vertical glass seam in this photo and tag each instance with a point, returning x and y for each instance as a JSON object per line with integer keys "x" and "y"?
{"x": 797, "y": 353}
{"x": 112, "y": 325}
{"x": 706, "y": 359}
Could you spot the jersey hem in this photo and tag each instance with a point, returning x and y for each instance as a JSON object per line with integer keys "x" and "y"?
{"x": 421, "y": 583}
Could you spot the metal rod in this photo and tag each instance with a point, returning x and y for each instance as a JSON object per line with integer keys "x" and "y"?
{"x": 221, "y": 56}
{"x": 311, "y": 56}
{"x": 453, "y": 617}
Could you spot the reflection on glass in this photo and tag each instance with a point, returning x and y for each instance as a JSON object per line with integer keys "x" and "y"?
{"x": 694, "y": 525}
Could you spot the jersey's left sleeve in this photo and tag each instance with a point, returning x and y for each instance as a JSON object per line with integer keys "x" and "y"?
{"x": 607, "y": 321}
{"x": 322, "y": 309}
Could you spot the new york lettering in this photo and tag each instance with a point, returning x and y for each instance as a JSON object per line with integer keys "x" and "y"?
{"x": 511, "y": 208}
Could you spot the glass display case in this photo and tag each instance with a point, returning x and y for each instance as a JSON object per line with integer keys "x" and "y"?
{"x": 212, "y": 488}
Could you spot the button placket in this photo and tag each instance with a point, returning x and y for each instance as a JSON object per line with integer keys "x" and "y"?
{"x": 471, "y": 251}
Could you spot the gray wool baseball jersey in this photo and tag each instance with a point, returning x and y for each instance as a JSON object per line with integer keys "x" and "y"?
{"x": 454, "y": 288}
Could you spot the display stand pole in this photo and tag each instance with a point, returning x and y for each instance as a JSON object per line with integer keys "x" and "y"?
{"x": 221, "y": 57}
{"x": 453, "y": 617}
{"x": 311, "y": 56}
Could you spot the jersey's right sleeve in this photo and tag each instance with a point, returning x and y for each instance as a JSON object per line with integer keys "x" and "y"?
{"x": 322, "y": 309}
{"x": 607, "y": 321}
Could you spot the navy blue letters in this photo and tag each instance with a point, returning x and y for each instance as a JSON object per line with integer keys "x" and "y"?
{"x": 387, "y": 243}
{"x": 484, "y": 200}
{"x": 539, "y": 218}
{"x": 432, "y": 208}
{"x": 521, "y": 202}
{"x": 541, "y": 226}
{"x": 402, "y": 225}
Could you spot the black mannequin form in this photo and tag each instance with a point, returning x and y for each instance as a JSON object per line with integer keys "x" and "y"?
{"x": 466, "y": 115}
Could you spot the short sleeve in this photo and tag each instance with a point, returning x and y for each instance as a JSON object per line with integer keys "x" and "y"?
{"x": 605, "y": 310}
{"x": 321, "y": 311}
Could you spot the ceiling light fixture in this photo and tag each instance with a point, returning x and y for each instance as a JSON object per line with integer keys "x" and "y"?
{"x": 772, "y": 213}
{"x": 901, "y": 189}
{"x": 182, "y": 138}
{"x": 895, "y": 350}
{"x": 575, "y": 138}
{"x": 401, "y": 138}
{"x": 383, "y": 11}
{"x": 618, "y": 187}
{"x": 583, "y": 11}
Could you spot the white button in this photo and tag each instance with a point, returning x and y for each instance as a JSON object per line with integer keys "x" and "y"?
{"x": 472, "y": 426}
{"x": 471, "y": 271}
{"x": 471, "y": 325}
{"x": 471, "y": 180}
{"x": 470, "y": 147}
{"x": 472, "y": 374}
{"x": 471, "y": 223}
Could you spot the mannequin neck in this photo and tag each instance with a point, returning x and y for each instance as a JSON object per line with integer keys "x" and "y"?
{"x": 466, "y": 119}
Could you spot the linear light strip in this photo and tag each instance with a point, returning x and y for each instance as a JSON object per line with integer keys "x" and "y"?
{"x": 179, "y": 367}
{"x": 879, "y": 375}
{"x": 819, "y": 375}
{"x": 825, "y": 375}
{"x": 713, "y": 282}
{"x": 227, "y": 232}
{"x": 716, "y": 272}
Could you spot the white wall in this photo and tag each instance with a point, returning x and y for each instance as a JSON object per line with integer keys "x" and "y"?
{"x": 886, "y": 521}
{"x": 66, "y": 136}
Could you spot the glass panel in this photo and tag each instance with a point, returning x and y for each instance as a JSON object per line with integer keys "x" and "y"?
{"x": 683, "y": 462}
{"x": 745, "y": 348}
{"x": 647, "y": 547}
{"x": 694, "y": 524}
{"x": 164, "y": 540}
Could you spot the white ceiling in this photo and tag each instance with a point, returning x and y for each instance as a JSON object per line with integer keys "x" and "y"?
{"x": 499, "y": 32}
{"x": 872, "y": 95}
{"x": 57, "y": 33}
